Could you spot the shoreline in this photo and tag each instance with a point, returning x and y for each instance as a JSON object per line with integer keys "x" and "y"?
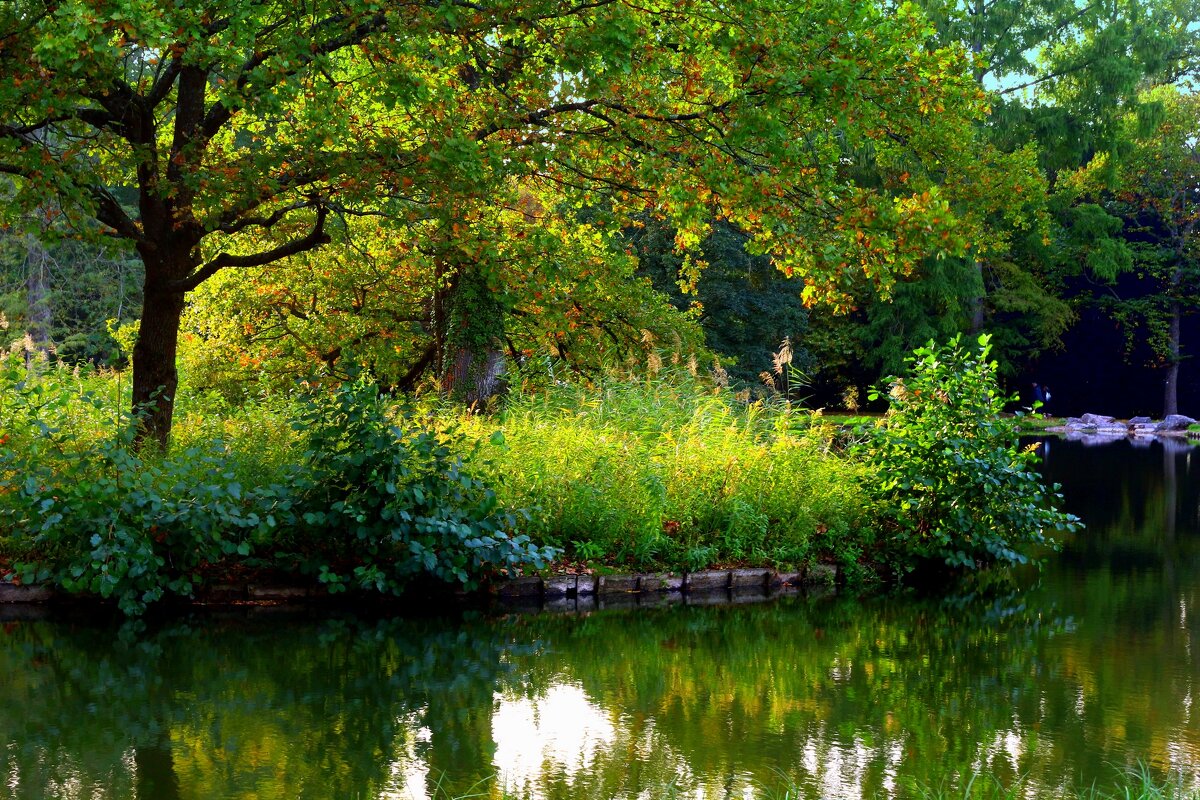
{"x": 558, "y": 592}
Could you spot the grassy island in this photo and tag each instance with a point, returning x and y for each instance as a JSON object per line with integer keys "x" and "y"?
{"x": 340, "y": 484}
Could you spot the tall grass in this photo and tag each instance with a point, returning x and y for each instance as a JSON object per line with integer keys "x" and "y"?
{"x": 669, "y": 473}
{"x": 1134, "y": 784}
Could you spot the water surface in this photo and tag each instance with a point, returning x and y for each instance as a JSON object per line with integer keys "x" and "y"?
{"x": 1086, "y": 670}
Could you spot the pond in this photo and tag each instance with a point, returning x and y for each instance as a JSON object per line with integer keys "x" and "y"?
{"x": 1088, "y": 670}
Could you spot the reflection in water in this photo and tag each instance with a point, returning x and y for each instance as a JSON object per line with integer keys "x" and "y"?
{"x": 1084, "y": 672}
{"x": 560, "y": 732}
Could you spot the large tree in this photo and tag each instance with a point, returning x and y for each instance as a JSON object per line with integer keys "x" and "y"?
{"x": 229, "y": 135}
{"x": 1060, "y": 75}
{"x": 1158, "y": 197}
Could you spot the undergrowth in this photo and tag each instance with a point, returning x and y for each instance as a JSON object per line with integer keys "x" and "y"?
{"x": 340, "y": 485}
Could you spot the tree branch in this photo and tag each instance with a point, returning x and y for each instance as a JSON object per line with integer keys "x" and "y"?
{"x": 220, "y": 113}
{"x": 109, "y": 212}
{"x": 315, "y": 238}
{"x": 410, "y": 378}
{"x": 163, "y": 83}
{"x": 235, "y": 226}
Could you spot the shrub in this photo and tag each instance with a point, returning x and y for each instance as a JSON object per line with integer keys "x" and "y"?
{"x": 953, "y": 483}
{"x": 388, "y": 499}
{"x": 370, "y": 501}
{"x": 90, "y": 515}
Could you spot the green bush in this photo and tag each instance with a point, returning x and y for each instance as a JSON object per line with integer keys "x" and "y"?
{"x": 86, "y": 513}
{"x": 363, "y": 500}
{"x": 387, "y": 499}
{"x": 953, "y": 484}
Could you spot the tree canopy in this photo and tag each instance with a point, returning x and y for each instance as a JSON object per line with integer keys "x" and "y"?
{"x": 235, "y": 134}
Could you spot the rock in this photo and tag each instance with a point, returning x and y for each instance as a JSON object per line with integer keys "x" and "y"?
{"x": 24, "y": 594}
{"x": 517, "y": 587}
{"x": 560, "y": 585}
{"x": 1140, "y": 421}
{"x": 1112, "y": 429}
{"x": 748, "y": 578}
{"x": 706, "y": 581}
{"x": 278, "y": 593}
{"x": 616, "y": 584}
{"x": 223, "y": 593}
{"x": 1096, "y": 419}
{"x": 792, "y": 578}
{"x": 1175, "y": 422}
{"x": 662, "y": 582}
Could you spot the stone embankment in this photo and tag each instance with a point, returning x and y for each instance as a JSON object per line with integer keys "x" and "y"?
{"x": 1098, "y": 425}
{"x": 552, "y": 592}
{"x": 708, "y": 587}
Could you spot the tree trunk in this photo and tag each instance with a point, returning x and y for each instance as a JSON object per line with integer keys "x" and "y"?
{"x": 467, "y": 326}
{"x": 474, "y": 377}
{"x": 1171, "y": 382}
{"x": 155, "y": 377}
{"x": 979, "y": 301}
{"x": 37, "y": 294}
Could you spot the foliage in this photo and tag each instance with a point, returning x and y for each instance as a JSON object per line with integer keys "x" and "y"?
{"x": 93, "y": 517}
{"x": 387, "y": 500}
{"x": 1060, "y": 77}
{"x": 372, "y": 503}
{"x": 558, "y": 295}
{"x": 744, "y": 305}
{"x": 1157, "y": 198}
{"x": 62, "y": 291}
{"x": 953, "y": 483}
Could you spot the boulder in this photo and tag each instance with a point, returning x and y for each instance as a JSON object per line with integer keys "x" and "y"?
{"x": 1140, "y": 421}
{"x": 1175, "y": 422}
{"x": 1096, "y": 419}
